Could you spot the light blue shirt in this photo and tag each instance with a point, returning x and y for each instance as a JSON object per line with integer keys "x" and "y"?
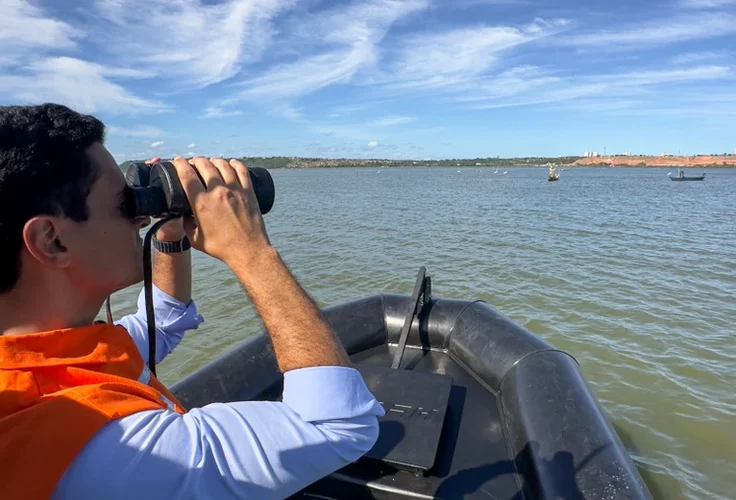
{"x": 252, "y": 449}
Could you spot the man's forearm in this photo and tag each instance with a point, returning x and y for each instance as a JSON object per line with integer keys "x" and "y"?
{"x": 172, "y": 273}
{"x": 300, "y": 335}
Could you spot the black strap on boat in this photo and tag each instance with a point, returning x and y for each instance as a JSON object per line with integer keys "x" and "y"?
{"x": 421, "y": 295}
{"x": 148, "y": 291}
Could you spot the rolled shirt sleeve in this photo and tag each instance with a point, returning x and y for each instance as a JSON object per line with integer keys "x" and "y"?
{"x": 173, "y": 319}
{"x": 266, "y": 450}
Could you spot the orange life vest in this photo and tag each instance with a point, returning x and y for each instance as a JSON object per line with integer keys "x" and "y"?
{"x": 59, "y": 388}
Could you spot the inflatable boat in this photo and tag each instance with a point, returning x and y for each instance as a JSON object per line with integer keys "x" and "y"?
{"x": 476, "y": 406}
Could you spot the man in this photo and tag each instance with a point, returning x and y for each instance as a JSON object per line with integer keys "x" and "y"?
{"x": 80, "y": 415}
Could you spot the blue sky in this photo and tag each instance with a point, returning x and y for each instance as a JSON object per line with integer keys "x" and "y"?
{"x": 382, "y": 78}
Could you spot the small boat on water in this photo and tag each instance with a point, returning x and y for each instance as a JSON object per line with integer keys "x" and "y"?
{"x": 682, "y": 177}
{"x": 553, "y": 175}
{"x": 477, "y": 407}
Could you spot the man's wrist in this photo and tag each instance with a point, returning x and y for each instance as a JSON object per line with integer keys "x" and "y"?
{"x": 170, "y": 247}
{"x": 168, "y": 235}
{"x": 172, "y": 230}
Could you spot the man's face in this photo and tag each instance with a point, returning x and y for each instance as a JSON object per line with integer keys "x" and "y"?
{"x": 107, "y": 248}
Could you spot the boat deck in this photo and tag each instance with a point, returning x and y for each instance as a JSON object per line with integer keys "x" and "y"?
{"x": 519, "y": 420}
{"x": 472, "y": 459}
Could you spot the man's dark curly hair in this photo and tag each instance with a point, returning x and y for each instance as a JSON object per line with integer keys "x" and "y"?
{"x": 44, "y": 170}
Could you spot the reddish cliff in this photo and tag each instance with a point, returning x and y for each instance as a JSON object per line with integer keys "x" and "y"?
{"x": 660, "y": 161}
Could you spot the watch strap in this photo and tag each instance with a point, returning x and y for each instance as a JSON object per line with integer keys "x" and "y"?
{"x": 172, "y": 246}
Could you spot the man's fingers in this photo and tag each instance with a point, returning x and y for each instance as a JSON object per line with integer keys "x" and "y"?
{"x": 153, "y": 160}
{"x": 226, "y": 172}
{"x": 192, "y": 231}
{"x": 188, "y": 178}
{"x": 208, "y": 171}
{"x": 242, "y": 173}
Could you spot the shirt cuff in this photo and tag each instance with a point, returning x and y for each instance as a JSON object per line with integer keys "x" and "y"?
{"x": 324, "y": 393}
{"x": 171, "y": 313}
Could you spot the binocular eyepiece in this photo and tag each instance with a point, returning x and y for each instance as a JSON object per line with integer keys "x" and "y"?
{"x": 155, "y": 190}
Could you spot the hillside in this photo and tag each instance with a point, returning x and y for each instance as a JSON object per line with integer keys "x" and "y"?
{"x": 700, "y": 161}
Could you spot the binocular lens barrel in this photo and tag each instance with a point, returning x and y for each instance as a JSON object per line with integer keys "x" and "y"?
{"x": 157, "y": 191}
{"x": 149, "y": 201}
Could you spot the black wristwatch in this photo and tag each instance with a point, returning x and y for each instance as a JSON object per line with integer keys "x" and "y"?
{"x": 172, "y": 246}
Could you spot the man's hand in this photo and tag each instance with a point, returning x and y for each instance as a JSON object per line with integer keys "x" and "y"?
{"x": 227, "y": 224}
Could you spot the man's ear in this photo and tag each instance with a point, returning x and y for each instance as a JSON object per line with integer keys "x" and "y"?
{"x": 43, "y": 239}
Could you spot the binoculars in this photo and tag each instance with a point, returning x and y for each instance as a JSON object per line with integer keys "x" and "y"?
{"x": 155, "y": 190}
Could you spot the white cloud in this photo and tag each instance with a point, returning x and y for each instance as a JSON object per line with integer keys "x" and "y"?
{"x": 79, "y": 84}
{"x": 138, "y": 131}
{"x": 450, "y": 58}
{"x": 514, "y": 81}
{"x": 350, "y": 109}
{"x": 706, "y": 4}
{"x": 482, "y": 3}
{"x": 157, "y": 144}
{"x": 190, "y": 153}
{"x": 25, "y": 27}
{"x": 286, "y": 111}
{"x": 699, "y": 57}
{"x": 192, "y": 145}
{"x": 659, "y": 32}
{"x": 624, "y": 84}
{"x": 214, "y": 112}
{"x": 390, "y": 121}
{"x": 651, "y": 77}
{"x": 8, "y": 60}
{"x": 372, "y": 144}
{"x": 711, "y": 106}
{"x": 191, "y": 42}
{"x": 681, "y": 111}
{"x": 32, "y": 71}
{"x": 461, "y": 62}
{"x": 314, "y": 73}
{"x": 345, "y": 50}
{"x": 607, "y": 105}
{"x": 128, "y": 73}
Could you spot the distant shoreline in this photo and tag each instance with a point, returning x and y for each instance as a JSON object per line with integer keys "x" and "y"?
{"x": 700, "y": 161}
{"x": 697, "y": 162}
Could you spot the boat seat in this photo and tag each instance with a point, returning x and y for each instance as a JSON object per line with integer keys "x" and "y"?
{"x": 415, "y": 405}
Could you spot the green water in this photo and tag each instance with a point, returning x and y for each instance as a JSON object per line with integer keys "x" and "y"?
{"x": 631, "y": 273}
